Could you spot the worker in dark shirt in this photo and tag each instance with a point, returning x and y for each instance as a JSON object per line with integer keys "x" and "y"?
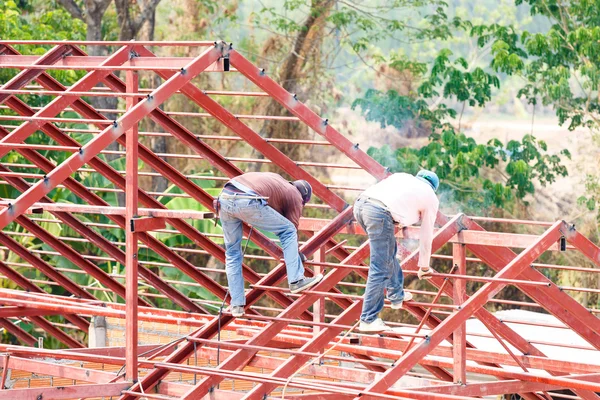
{"x": 268, "y": 202}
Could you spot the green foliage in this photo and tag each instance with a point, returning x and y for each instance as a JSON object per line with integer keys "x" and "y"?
{"x": 392, "y": 109}
{"x": 591, "y": 199}
{"x": 457, "y": 81}
{"x": 475, "y": 176}
{"x": 464, "y": 167}
{"x": 559, "y": 65}
{"x": 52, "y": 24}
{"x": 448, "y": 79}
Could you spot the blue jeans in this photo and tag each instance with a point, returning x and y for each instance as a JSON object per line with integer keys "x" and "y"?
{"x": 384, "y": 269}
{"x": 257, "y": 213}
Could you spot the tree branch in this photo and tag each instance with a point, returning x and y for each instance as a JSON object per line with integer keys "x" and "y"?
{"x": 146, "y": 10}
{"x": 72, "y": 8}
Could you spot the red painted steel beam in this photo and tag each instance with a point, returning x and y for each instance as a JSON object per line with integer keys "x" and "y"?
{"x": 475, "y": 302}
{"x": 476, "y": 237}
{"x": 156, "y": 213}
{"x": 177, "y": 389}
{"x": 17, "y": 332}
{"x": 56, "y": 332}
{"x": 93, "y": 63}
{"x": 300, "y": 110}
{"x": 584, "y": 245}
{"x": 272, "y": 363}
{"x": 44, "y": 267}
{"x": 489, "y": 388}
{"x": 184, "y": 43}
{"x": 60, "y": 370}
{"x": 4, "y": 371}
{"x": 65, "y": 392}
{"x": 497, "y": 388}
{"x": 460, "y": 334}
{"x": 131, "y": 238}
{"x": 23, "y": 299}
{"x": 116, "y": 351}
{"x": 6, "y": 312}
{"x": 552, "y": 298}
{"x": 147, "y": 224}
{"x": 101, "y": 141}
{"x": 211, "y": 329}
{"x": 24, "y": 77}
{"x": 24, "y": 283}
{"x": 569, "y": 382}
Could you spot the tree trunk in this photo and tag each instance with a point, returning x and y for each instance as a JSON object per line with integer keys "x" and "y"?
{"x": 291, "y": 74}
{"x": 159, "y": 143}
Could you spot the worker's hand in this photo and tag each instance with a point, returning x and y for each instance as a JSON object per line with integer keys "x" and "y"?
{"x": 425, "y": 272}
{"x": 302, "y": 257}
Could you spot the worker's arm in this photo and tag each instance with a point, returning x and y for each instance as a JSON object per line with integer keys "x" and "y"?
{"x": 428, "y": 216}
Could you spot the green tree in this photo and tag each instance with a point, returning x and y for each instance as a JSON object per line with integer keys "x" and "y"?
{"x": 560, "y": 65}
{"x": 475, "y": 177}
{"x": 309, "y": 38}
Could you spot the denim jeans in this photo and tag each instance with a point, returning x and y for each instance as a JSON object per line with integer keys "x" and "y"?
{"x": 258, "y": 214}
{"x": 384, "y": 269}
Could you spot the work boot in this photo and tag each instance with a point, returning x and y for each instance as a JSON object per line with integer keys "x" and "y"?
{"x": 425, "y": 273}
{"x": 236, "y": 311}
{"x": 376, "y": 326}
{"x": 407, "y": 297}
{"x": 305, "y": 283}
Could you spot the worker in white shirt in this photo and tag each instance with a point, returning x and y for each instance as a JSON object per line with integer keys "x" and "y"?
{"x": 400, "y": 199}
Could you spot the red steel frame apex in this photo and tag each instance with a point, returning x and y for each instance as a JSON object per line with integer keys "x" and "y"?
{"x": 281, "y": 334}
